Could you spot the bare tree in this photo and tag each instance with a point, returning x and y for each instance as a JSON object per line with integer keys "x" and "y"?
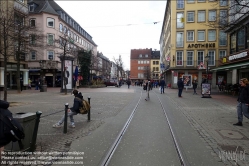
{"x": 120, "y": 64}
{"x": 230, "y": 14}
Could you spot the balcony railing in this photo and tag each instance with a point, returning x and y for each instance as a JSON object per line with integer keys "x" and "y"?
{"x": 193, "y": 64}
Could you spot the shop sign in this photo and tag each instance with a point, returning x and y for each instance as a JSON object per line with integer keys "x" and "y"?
{"x": 205, "y": 45}
{"x": 237, "y": 56}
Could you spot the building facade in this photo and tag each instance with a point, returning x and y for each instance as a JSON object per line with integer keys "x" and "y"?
{"x": 17, "y": 9}
{"x": 144, "y": 64}
{"x": 56, "y": 25}
{"x": 235, "y": 65}
{"x": 189, "y": 36}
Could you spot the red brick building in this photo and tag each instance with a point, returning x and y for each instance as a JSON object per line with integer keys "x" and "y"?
{"x": 140, "y": 64}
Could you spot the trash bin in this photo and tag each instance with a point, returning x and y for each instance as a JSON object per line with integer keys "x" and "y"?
{"x": 27, "y": 120}
{"x": 43, "y": 88}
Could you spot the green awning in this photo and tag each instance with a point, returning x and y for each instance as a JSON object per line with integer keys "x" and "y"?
{"x": 232, "y": 66}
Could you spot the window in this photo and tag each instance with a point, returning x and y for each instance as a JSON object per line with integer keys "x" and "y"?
{"x": 190, "y": 16}
{"x": 69, "y": 33}
{"x": 211, "y": 60}
{"x": 50, "y": 55}
{"x": 223, "y": 53}
{"x": 223, "y": 17}
{"x": 190, "y": 36}
{"x": 146, "y": 55}
{"x": 201, "y": 16}
{"x": 179, "y": 20}
{"x": 142, "y": 62}
{"x": 31, "y": 7}
{"x": 200, "y": 57}
{"x": 179, "y": 58}
{"x": 222, "y": 38}
{"x": 241, "y": 38}
{"x": 201, "y": 36}
{"x": 61, "y": 27}
{"x": 211, "y": 15}
{"x": 33, "y": 55}
{"x": 157, "y": 69}
{"x": 233, "y": 43}
{"x": 154, "y": 62}
{"x": 65, "y": 30}
{"x": 140, "y": 55}
{"x": 180, "y": 4}
{"x": 190, "y": 1}
{"x": 211, "y": 35}
{"x": 190, "y": 58}
{"x": 21, "y": 1}
{"x": 179, "y": 39}
{"x": 50, "y": 22}
{"x": 19, "y": 20}
{"x": 32, "y": 22}
{"x": 148, "y": 62}
{"x": 140, "y": 75}
{"x": 32, "y": 40}
{"x": 157, "y": 62}
{"x": 50, "y": 38}
{"x": 201, "y": 0}
{"x": 223, "y": 2}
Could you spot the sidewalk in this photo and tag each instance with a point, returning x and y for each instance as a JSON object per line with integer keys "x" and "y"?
{"x": 213, "y": 119}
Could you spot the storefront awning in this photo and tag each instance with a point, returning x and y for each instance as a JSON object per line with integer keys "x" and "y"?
{"x": 232, "y": 66}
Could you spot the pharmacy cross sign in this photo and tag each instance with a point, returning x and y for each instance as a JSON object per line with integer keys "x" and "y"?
{"x": 201, "y": 66}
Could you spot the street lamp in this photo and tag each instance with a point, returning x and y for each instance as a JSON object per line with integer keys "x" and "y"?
{"x": 207, "y": 59}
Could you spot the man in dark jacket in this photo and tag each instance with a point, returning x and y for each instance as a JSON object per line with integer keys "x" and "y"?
{"x": 243, "y": 101}
{"x": 180, "y": 87}
{"x": 77, "y": 103}
{"x": 162, "y": 85}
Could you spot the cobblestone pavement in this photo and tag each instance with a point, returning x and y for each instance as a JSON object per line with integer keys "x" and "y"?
{"x": 105, "y": 103}
{"x": 212, "y": 118}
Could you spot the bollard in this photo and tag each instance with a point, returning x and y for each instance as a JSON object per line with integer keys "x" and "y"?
{"x": 89, "y": 112}
{"x": 33, "y": 142}
{"x": 65, "y": 120}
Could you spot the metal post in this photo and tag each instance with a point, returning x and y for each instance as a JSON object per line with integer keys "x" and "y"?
{"x": 148, "y": 89}
{"x": 89, "y": 112}
{"x": 33, "y": 142}
{"x": 65, "y": 120}
{"x": 207, "y": 71}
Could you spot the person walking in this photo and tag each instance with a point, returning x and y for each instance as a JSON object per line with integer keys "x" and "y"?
{"x": 162, "y": 85}
{"x": 77, "y": 103}
{"x": 180, "y": 87}
{"x": 243, "y": 101}
{"x": 29, "y": 83}
{"x": 194, "y": 86}
{"x": 128, "y": 83}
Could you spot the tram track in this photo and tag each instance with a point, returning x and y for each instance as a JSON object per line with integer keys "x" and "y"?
{"x": 108, "y": 156}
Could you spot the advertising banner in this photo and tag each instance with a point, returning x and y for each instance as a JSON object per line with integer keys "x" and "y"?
{"x": 206, "y": 89}
{"x": 68, "y": 74}
{"x": 187, "y": 80}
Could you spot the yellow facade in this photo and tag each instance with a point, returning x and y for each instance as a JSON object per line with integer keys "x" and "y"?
{"x": 155, "y": 69}
{"x": 188, "y": 35}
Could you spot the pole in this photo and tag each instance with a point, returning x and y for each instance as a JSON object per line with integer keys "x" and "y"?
{"x": 207, "y": 71}
{"x": 89, "y": 112}
{"x": 65, "y": 120}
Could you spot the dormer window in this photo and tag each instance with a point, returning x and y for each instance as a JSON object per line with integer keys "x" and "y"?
{"x": 31, "y": 7}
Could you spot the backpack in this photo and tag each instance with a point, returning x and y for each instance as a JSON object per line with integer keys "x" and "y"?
{"x": 85, "y": 106}
{"x": 10, "y": 130}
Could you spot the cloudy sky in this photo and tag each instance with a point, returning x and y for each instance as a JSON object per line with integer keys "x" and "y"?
{"x": 119, "y": 26}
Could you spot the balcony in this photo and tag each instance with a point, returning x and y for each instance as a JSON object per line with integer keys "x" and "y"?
{"x": 193, "y": 64}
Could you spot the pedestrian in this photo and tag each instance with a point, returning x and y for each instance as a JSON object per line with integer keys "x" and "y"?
{"x": 243, "y": 101}
{"x": 29, "y": 86}
{"x": 162, "y": 85}
{"x": 21, "y": 83}
{"x": 77, "y": 103}
{"x": 37, "y": 84}
{"x": 180, "y": 87}
{"x": 194, "y": 86}
{"x": 128, "y": 83}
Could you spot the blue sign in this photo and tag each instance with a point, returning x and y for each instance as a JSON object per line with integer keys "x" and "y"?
{"x": 162, "y": 66}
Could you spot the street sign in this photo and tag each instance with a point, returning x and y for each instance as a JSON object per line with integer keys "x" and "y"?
{"x": 201, "y": 66}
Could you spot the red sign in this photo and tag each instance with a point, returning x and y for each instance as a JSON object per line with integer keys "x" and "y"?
{"x": 201, "y": 66}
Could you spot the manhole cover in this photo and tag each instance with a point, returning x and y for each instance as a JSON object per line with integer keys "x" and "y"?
{"x": 232, "y": 134}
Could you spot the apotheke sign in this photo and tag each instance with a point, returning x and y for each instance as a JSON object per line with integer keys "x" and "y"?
{"x": 237, "y": 56}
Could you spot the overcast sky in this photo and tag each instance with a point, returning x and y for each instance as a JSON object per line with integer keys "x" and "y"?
{"x": 119, "y": 26}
